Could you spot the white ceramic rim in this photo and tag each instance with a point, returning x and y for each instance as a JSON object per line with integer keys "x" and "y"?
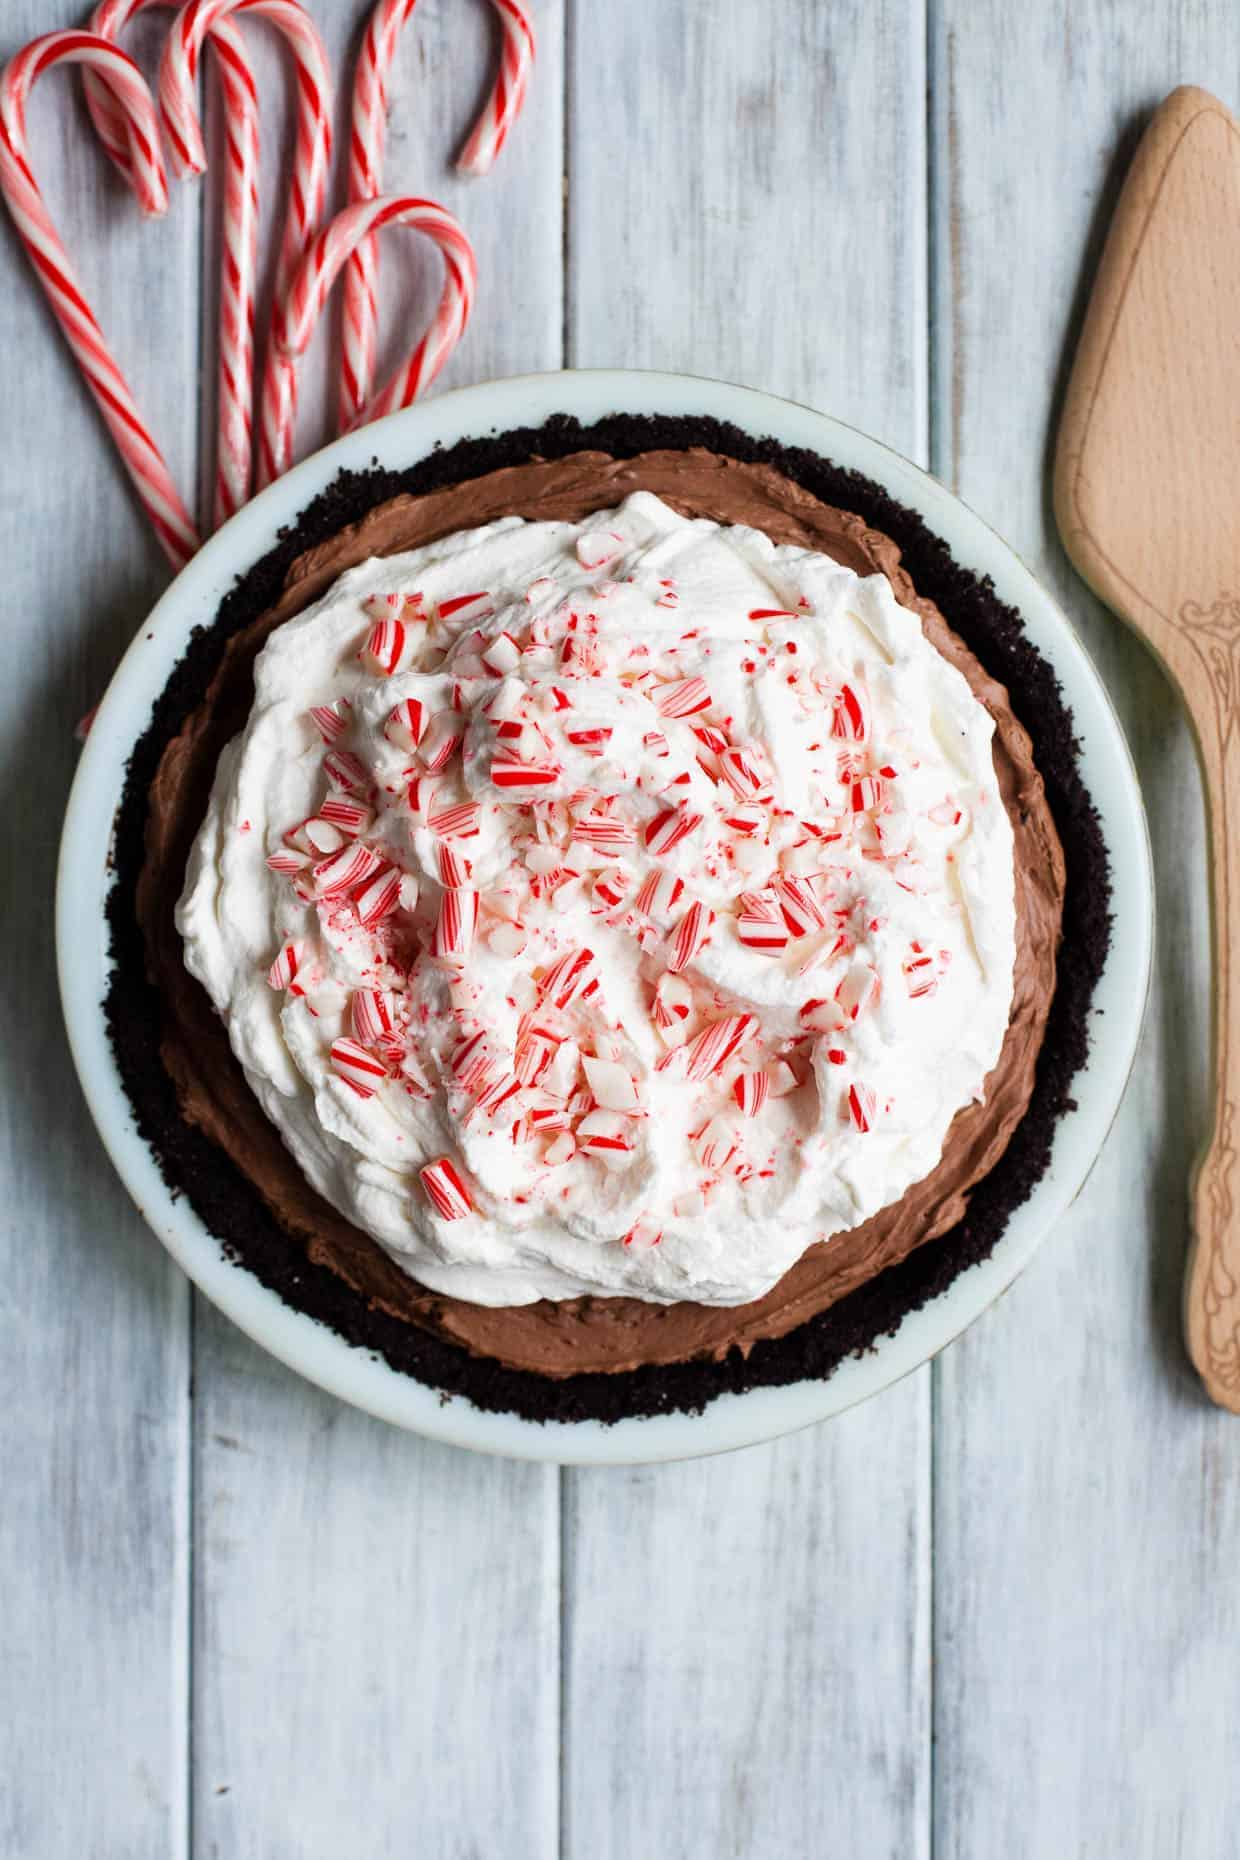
{"x": 84, "y": 879}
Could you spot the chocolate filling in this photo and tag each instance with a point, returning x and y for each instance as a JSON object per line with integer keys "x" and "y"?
{"x": 815, "y": 1315}
{"x": 615, "y": 1333}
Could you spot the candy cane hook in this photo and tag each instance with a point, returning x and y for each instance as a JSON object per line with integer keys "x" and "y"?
{"x": 298, "y": 313}
{"x": 179, "y": 108}
{"x": 239, "y": 261}
{"x": 503, "y": 106}
{"x": 141, "y": 456}
{"x": 360, "y": 316}
{"x": 367, "y": 136}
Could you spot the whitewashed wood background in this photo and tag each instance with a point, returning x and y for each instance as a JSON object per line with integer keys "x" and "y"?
{"x": 996, "y": 1611}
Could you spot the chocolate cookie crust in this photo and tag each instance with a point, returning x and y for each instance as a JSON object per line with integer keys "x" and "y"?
{"x": 232, "y": 1208}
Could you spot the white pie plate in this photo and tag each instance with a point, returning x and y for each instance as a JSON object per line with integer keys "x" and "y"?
{"x": 319, "y": 1353}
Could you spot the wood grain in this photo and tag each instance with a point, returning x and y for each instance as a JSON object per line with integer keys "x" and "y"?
{"x": 94, "y": 1370}
{"x": 746, "y": 1638}
{"x": 746, "y": 1645}
{"x": 1086, "y": 1500}
{"x": 375, "y": 1631}
{"x": 376, "y": 1664}
{"x": 1146, "y": 471}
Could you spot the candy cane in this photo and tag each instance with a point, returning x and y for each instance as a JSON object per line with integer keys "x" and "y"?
{"x": 179, "y": 107}
{"x": 371, "y": 1015}
{"x": 238, "y": 269}
{"x": 344, "y": 871}
{"x": 368, "y": 133}
{"x": 406, "y": 726}
{"x": 379, "y": 898}
{"x": 331, "y": 720}
{"x": 573, "y": 975}
{"x": 659, "y": 895}
{"x": 298, "y": 311}
{"x": 692, "y": 936}
{"x": 667, "y": 829}
{"x": 503, "y": 106}
{"x": 358, "y": 1068}
{"x": 385, "y": 647}
{"x": 420, "y": 367}
{"x": 284, "y": 970}
{"x": 346, "y": 771}
{"x": 862, "y": 1106}
{"x": 750, "y": 1090}
{"x": 709, "y": 1051}
{"x": 141, "y": 456}
{"x": 366, "y": 146}
{"x": 446, "y": 1192}
{"x": 684, "y": 699}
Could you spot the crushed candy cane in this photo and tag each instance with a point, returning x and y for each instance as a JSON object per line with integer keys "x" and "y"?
{"x": 643, "y": 897}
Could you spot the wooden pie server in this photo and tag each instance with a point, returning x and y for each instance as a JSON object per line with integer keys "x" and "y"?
{"x": 1147, "y": 495}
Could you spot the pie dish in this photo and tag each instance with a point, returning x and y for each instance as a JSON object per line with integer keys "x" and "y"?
{"x": 731, "y": 1383}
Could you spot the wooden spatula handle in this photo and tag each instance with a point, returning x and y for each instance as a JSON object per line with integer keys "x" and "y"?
{"x": 1145, "y": 492}
{"x": 1212, "y": 1284}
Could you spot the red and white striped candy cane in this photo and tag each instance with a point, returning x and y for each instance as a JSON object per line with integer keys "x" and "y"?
{"x": 298, "y": 312}
{"x": 424, "y": 361}
{"x": 141, "y": 456}
{"x": 238, "y": 269}
{"x": 503, "y": 106}
{"x": 445, "y": 1189}
{"x": 179, "y": 107}
{"x": 367, "y": 135}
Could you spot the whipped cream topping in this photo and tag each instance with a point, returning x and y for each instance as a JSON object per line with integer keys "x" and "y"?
{"x": 615, "y": 907}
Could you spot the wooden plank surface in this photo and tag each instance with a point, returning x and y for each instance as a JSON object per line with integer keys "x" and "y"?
{"x": 1087, "y": 1500}
{"x": 94, "y": 1364}
{"x": 375, "y": 1633}
{"x": 739, "y": 1657}
{"x": 746, "y": 1639}
{"x": 376, "y": 1659}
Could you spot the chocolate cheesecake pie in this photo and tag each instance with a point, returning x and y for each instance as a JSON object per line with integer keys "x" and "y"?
{"x": 619, "y": 910}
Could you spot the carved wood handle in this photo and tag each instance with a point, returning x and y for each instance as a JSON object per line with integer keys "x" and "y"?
{"x": 1211, "y": 681}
